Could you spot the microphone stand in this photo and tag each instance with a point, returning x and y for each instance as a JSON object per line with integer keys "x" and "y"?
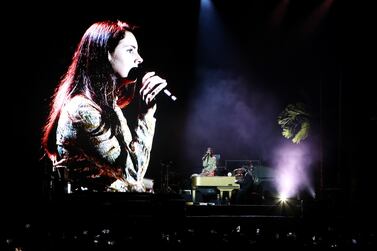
{"x": 165, "y": 178}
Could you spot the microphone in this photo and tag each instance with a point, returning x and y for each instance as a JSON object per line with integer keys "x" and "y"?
{"x": 206, "y": 155}
{"x": 137, "y": 73}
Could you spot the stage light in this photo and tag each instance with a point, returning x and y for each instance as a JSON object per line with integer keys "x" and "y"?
{"x": 283, "y": 198}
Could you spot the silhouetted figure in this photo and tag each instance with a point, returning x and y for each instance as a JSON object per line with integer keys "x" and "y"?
{"x": 245, "y": 176}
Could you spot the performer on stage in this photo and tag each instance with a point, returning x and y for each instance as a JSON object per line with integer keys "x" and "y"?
{"x": 209, "y": 163}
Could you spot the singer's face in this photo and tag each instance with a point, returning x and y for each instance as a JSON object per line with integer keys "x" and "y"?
{"x": 125, "y": 56}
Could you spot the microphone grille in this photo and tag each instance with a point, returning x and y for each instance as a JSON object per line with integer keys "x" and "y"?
{"x": 135, "y": 73}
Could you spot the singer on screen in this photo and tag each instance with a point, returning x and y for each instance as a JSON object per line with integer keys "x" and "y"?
{"x": 86, "y": 135}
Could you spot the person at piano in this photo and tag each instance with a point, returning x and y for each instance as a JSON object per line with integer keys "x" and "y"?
{"x": 209, "y": 163}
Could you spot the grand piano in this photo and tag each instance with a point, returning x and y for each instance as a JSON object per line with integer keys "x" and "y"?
{"x": 222, "y": 183}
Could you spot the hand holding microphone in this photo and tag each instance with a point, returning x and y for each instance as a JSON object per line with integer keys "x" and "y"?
{"x": 150, "y": 84}
{"x": 206, "y": 155}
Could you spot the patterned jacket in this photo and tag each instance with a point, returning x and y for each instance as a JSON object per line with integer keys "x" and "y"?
{"x": 95, "y": 156}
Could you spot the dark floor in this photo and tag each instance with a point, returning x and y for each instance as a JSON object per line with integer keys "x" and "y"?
{"x": 118, "y": 221}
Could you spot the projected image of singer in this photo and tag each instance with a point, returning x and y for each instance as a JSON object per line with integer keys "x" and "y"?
{"x": 86, "y": 135}
{"x": 209, "y": 163}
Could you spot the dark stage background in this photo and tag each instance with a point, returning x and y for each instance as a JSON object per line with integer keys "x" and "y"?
{"x": 320, "y": 60}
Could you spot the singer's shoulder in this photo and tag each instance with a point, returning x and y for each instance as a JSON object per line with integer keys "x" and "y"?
{"x": 80, "y": 102}
{"x": 81, "y": 109}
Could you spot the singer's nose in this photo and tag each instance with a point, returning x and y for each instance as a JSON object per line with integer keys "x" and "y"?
{"x": 138, "y": 59}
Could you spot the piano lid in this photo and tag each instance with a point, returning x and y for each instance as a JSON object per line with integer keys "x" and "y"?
{"x": 214, "y": 181}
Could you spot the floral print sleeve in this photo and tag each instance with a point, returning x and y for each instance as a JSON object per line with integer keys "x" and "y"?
{"x": 139, "y": 147}
{"x": 95, "y": 155}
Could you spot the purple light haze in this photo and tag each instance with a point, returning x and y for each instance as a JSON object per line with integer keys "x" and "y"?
{"x": 292, "y": 163}
{"x": 235, "y": 113}
{"x": 238, "y": 122}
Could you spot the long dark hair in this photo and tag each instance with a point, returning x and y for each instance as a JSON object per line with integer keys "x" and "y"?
{"x": 90, "y": 74}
